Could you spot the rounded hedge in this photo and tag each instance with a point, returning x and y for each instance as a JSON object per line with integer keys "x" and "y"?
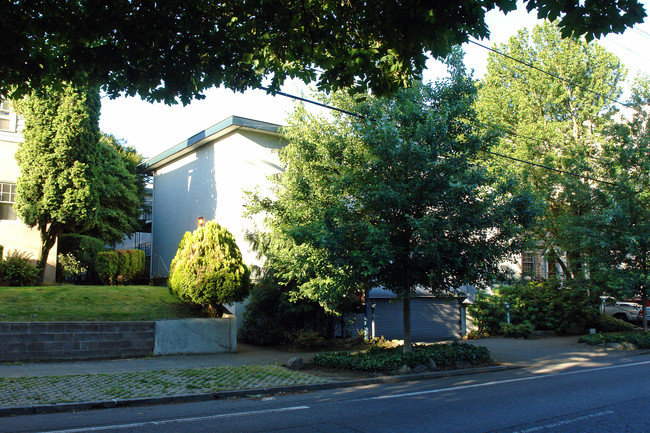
{"x": 208, "y": 269}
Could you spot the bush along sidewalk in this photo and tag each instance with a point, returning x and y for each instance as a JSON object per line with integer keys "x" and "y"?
{"x": 395, "y": 361}
{"x": 639, "y": 339}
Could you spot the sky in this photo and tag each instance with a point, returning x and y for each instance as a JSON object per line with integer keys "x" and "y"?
{"x": 154, "y": 128}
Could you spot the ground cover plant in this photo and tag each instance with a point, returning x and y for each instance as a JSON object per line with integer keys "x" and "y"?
{"x": 90, "y": 303}
{"x": 389, "y": 360}
{"x": 640, "y": 339}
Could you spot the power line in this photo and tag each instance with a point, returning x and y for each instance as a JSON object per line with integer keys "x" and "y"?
{"x": 310, "y": 101}
{"x": 557, "y": 170}
{"x": 550, "y": 74}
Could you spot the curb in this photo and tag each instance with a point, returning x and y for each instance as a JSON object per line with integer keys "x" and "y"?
{"x": 238, "y": 393}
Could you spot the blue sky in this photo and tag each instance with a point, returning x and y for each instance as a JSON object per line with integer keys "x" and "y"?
{"x": 153, "y": 128}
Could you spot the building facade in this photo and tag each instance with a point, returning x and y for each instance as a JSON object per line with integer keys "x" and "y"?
{"x": 207, "y": 176}
{"x": 14, "y": 235}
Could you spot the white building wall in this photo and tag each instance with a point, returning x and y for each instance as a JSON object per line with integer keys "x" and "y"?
{"x": 14, "y": 235}
{"x": 211, "y": 183}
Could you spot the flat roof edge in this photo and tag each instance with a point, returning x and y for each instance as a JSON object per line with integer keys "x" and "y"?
{"x": 214, "y": 132}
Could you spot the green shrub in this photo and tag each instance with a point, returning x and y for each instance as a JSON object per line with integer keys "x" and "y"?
{"x": 1, "y": 250}
{"x": 517, "y": 331}
{"x": 640, "y": 339}
{"x": 107, "y": 265}
{"x": 605, "y": 323}
{"x": 120, "y": 266}
{"x": 69, "y": 268}
{"x": 85, "y": 250}
{"x": 208, "y": 269}
{"x": 17, "y": 269}
{"x": 545, "y": 305}
{"x": 271, "y": 317}
{"x": 388, "y": 360}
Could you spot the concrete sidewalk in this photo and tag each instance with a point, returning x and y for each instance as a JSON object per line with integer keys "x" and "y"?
{"x": 46, "y": 387}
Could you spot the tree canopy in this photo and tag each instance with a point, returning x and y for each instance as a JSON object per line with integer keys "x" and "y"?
{"x": 394, "y": 200}
{"x": 558, "y": 123}
{"x": 73, "y": 179}
{"x": 174, "y": 50}
{"x": 57, "y": 160}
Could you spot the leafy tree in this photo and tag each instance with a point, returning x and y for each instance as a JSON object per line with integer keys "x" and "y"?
{"x": 620, "y": 239}
{"x": 394, "y": 200}
{"x": 57, "y": 160}
{"x": 121, "y": 191}
{"x": 557, "y": 123}
{"x": 208, "y": 269}
{"x": 177, "y": 49}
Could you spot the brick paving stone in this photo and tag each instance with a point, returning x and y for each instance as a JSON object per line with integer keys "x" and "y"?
{"x": 21, "y": 391}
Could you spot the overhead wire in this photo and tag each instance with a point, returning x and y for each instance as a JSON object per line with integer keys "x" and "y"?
{"x": 557, "y": 170}
{"x": 550, "y": 74}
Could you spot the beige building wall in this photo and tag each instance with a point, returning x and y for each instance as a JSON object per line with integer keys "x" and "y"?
{"x": 14, "y": 235}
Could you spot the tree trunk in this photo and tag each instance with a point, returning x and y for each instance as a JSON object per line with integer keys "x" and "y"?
{"x": 48, "y": 239}
{"x": 406, "y": 316}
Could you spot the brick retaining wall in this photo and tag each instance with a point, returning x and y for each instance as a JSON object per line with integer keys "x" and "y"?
{"x": 61, "y": 341}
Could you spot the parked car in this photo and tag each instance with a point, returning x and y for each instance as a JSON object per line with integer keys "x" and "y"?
{"x": 628, "y": 311}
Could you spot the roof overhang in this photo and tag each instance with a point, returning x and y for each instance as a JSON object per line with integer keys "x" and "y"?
{"x": 211, "y": 134}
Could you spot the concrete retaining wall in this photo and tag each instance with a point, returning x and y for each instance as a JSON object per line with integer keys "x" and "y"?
{"x": 188, "y": 336}
{"x": 66, "y": 341}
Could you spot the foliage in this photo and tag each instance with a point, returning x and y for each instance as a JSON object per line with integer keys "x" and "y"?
{"x": 522, "y": 330}
{"x": 91, "y": 303}
{"x": 640, "y": 340}
{"x": 70, "y": 268}
{"x": 85, "y": 250}
{"x": 606, "y": 323}
{"x": 57, "y": 161}
{"x": 544, "y": 119}
{"x": 271, "y": 317}
{"x": 137, "y": 47}
{"x": 394, "y": 199}
{"x": 17, "y": 269}
{"x": 545, "y": 306}
{"x": 120, "y": 266}
{"x": 208, "y": 269}
{"x": 1, "y": 251}
{"x": 388, "y": 360}
{"x": 620, "y": 239}
{"x": 122, "y": 191}
{"x": 305, "y": 339}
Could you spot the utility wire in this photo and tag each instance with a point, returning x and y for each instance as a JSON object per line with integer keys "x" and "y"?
{"x": 557, "y": 170}
{"x": 310, "y": 101}
{"x": 550, "y": 74}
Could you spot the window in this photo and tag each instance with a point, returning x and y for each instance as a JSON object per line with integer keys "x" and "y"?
{"x": 533, "y": 265}
{"x": 7, "y": 200}
{"x": 5, "y": 116}
{"x": 528, "y": 263}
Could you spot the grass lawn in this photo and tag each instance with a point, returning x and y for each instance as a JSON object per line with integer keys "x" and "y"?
{"x": 90, "y": 303}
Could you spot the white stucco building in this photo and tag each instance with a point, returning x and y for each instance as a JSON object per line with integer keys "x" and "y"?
{"x": 207, "y": 176}
{"x": 14, "y": 235}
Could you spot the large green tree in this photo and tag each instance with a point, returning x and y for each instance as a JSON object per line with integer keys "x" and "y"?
{"x": 121, "y": 192}
{"x": 555, "y": 119}
{"x": 72, "y": 178}
{"x": 395, "y": 199}
{"x": 178, "y": 48}
{"x": 620, "y": 239}
{"x": 58, "y": 163}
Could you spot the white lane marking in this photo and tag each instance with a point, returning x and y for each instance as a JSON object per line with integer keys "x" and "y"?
{"x": 175, "y": 420}
{"x": 498, "y": 382}
{"x": 565, "y": 422}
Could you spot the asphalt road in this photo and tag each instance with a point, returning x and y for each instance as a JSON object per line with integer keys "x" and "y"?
{"x": 608, "y": 398}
